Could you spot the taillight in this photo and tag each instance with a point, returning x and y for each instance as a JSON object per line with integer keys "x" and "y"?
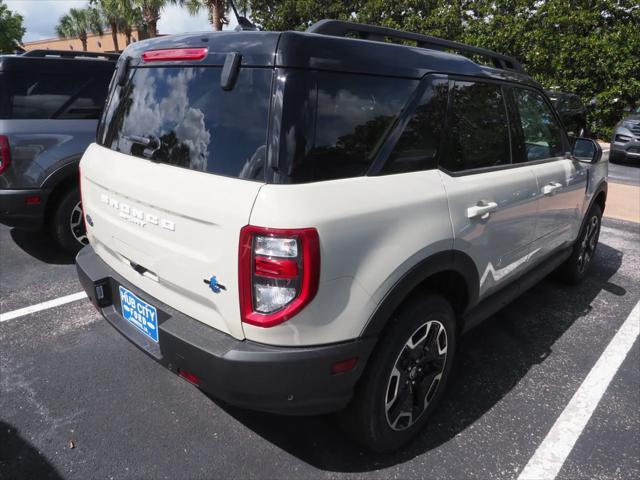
{"x": 174, "y": 54}
{"x": 279, "y": 273}
{"x": 5, "y": 153}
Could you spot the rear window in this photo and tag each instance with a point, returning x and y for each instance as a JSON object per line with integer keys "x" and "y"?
{"x": 182, "y": 116}
{"x": 36, "y": 96}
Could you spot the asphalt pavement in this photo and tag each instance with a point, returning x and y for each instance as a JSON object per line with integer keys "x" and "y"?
{"x": 77, "y": 400}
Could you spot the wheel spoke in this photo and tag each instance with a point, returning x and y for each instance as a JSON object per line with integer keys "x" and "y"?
{"x": 76, "y": 222}
{"x": 416, "y": 375}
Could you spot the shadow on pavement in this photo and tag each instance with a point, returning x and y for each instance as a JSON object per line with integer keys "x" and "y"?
{"x": 19, "y": 459}
{"x": 41, "y": 246}
{"x": 491, "y": 360}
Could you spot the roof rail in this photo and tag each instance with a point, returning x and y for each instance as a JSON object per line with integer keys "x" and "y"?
{"x": 339, "y": 28}
{"x": 70, "y": 54}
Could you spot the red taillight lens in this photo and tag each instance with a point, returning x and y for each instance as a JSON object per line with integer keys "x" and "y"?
{"x": 5, "y": 153}
{"x": 174, "y": 54}
{"x": 279, "y": 272}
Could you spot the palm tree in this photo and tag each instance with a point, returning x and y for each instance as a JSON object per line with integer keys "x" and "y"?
{"x": 150, "y": 11}
{"x": 78, "y": 23}
{"x": 112, "y": 12}
{"x": 217, "y": 10}
{"x": 131, "y": 18}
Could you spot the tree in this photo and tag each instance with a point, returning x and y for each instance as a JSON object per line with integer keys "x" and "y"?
{"x": 131, "y": 18}
{"x": 217, "y": 10}
{"x": 112, "y": 12}
{"x": 587, "y": 47}
{"x": 11, "y": 29}
{"x": 78, "y": 23}
{"x": 150, "y": 11}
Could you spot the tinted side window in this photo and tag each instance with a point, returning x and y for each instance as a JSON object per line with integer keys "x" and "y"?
{"x": 479, "y": 127}
{"x": 354, "y": 115}
{"x": 418, "y": 146}
{"x": 542, "y": 134}
{"x": 37, "y": 96}
{"x": 88, "y": 102}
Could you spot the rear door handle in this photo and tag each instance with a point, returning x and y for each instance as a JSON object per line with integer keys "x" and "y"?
{"x": 550, "y": 188}
{"x": 482, "y": 210}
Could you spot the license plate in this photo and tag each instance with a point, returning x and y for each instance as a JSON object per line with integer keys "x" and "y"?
{"x": 139, "y": 313}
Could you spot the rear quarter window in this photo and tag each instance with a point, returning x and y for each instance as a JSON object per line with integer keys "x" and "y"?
{"x": 191, "y": 121}
{"x": 354, "y": 114}
{"x": 38, "y": 95}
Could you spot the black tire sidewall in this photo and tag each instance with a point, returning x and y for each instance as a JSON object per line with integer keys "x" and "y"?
{"x": 60, "y": 221}
{"x": 367, "y": 408}
{"x": 572, "y": 272}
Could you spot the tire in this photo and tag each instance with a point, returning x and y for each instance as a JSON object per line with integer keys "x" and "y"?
{"x": 67, "y": 225}
{"x": 379, "y": 416}
{"x": 575, "y": 268}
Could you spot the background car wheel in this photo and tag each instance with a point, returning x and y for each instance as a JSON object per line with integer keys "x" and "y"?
{"x": 577, "y": 265}
{"x": 67, "y": 224}
{"x": 405, "y": 377}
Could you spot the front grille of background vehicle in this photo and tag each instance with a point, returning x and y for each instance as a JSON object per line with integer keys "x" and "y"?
{"x": 636, "y": 129}
{"x": 633, "y": 150}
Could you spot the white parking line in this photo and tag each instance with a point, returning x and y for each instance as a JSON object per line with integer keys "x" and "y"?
{"x": 42, "y": 306}
{"x": 552, "y": 453}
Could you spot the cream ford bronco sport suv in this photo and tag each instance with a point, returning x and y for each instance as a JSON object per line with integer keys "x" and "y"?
{"x": 306, "y": 222}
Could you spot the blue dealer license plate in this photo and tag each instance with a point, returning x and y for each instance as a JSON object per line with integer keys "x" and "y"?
{"x": 139, "y": 313}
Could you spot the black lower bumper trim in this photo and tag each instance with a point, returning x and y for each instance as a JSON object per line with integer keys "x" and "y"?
{"x": 286, "y": 380}
{"x": 15, "y": 212}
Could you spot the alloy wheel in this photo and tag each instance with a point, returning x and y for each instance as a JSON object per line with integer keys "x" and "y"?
{"x": 76, "y": 223}
{"x": 416, "y": 375}
{"x": 588, "y": 243}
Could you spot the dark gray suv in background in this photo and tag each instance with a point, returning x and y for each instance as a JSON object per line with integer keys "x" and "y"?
{"x": 50, "y": 103}
{"x": 625, "y": 144}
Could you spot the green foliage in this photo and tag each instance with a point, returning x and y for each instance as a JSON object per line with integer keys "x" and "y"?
{"x": 11, "y": 29}
{"x": 78, "y": 23}
{"x": 587, "y": 47}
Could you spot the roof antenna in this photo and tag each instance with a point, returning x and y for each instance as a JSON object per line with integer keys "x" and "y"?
{"x": 243, "y": 22}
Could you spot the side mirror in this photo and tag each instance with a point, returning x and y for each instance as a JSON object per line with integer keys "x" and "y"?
{"x": 586, "y": 150}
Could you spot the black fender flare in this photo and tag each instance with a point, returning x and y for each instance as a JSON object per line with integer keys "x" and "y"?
{"x": 448, "y": 261}
{"x": 603, "y": 187}
{"x": 61, "y": 174}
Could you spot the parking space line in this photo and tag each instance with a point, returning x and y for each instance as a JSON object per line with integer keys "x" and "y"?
{"x": 555, "y": 448}
{"x": 42, "y": 306}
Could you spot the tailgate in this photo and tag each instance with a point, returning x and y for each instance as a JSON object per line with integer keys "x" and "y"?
{"x": 167, "y": 229}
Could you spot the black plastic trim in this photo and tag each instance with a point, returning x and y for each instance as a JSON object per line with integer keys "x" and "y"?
{"x": 286, "y": 380}
{"x": 14, "y": 212}
{"x": 452, "y": 260}
{"x": 510, "y": 292}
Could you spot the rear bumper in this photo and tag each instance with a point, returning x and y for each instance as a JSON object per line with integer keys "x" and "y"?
{"x": 15, "y": 212}
{"x": 628, "y": 151}
{"x": 286, "y": 380}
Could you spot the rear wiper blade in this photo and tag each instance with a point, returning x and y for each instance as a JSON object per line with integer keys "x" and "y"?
{"x": 149, "y": 142}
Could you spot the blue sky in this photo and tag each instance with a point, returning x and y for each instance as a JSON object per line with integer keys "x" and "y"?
{"x": 41, "y": 17}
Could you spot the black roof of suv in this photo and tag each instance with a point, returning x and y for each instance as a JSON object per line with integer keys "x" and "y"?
{"x": 316, "y": 49}
{"x": 290, "y": 133}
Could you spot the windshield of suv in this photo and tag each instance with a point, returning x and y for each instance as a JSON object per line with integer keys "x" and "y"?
{"x": 183, "y": 117}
